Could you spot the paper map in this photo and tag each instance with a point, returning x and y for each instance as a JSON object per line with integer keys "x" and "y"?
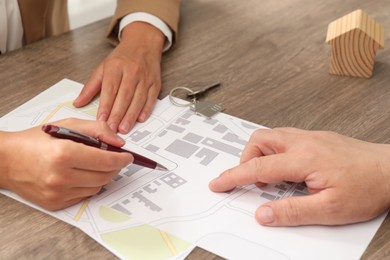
{"x": 147, "y": 214}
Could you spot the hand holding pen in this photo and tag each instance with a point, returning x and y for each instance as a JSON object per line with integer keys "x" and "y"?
{"x": 65, "y": 133}
{"x": 55, "y": 173}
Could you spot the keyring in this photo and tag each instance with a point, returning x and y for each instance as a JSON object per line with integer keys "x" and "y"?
{"x": 173, "y": 101}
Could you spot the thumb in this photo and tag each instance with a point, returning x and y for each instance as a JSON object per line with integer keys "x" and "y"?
{"x": 95, "y": 129}
{"x": 293, "y": 211}
{"x": 108, "y": 136}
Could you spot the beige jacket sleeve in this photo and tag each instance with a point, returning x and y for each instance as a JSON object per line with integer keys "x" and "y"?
{"x": 43, "y": 18}
{"x": 167, "y": 10}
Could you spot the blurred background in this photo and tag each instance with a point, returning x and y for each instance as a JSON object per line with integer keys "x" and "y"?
{"x": 83, "y": 12}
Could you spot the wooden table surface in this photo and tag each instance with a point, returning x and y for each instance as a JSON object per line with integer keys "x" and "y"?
{"x": 273, "y": 62}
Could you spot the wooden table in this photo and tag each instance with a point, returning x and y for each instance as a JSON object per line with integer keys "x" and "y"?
{"x": 273, "y": 62}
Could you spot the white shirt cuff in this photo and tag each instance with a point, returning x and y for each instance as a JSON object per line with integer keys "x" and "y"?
{"x": 151, "y": 19}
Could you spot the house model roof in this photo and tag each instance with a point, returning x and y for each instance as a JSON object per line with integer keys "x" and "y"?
{"x": 356, "y": 20}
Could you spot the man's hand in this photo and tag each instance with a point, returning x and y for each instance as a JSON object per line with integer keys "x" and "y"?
{"x": 129, "y": 79}
{"x": 348, "y": 179}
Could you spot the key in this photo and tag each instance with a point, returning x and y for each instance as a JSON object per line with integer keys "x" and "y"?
{"x": 203, "y": 89}
{"x": 206, "y": 109}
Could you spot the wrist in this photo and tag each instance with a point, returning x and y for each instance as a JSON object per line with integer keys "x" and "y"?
{"x": 145, "y": 34}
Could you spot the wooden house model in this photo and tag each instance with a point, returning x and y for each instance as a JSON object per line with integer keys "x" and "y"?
{"x": 355, "y": 38}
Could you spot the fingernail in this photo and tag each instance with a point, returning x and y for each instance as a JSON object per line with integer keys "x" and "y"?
{"x": 214, "y": 181}
{"x": 125, "y": 127}
{"x": 75, "y": 101}
{"x": 142, "y": 117}
{"x": 102, "y": 117}
{"x": 119, "y": 139}
{"x": 215, "y": 185}
{"x": 266, "y": 215}
{"x": 113, "y": 127}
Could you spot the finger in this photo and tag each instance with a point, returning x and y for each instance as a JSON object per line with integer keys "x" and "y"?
{"x": 112, "y": 80}
{"x": 59, "y": 200}
{"x": 84, "y": 178}
{"x": 266, "y": 169}
{"x": 134, "y": 109}
{"x": 251, "y": 150}
{"x": 91, "y": 88}
{"x": 83, "y": 192}
{"x": 57, "y": 205}
{"x": 73, "y": 197}
{"x": 265, "y": 142}
{"x": 300, "y": 210}
{"x": 93, "y": 159}
{"x": 96, "y": 129}
{"x": 146, "y": 111}
{"x": 69, "y": 154}
{"x": 69, "y": 203}
{"x": 123, "y": 100}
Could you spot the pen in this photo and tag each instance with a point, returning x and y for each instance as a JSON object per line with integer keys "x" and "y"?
{"x": 64, "y": 133}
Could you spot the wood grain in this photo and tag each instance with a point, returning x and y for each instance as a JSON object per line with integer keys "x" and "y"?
{"x": 355, "y": 39}
{"x": 273, "y": 62}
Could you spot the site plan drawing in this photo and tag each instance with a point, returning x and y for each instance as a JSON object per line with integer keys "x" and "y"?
{"x": 150, "y": 214}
